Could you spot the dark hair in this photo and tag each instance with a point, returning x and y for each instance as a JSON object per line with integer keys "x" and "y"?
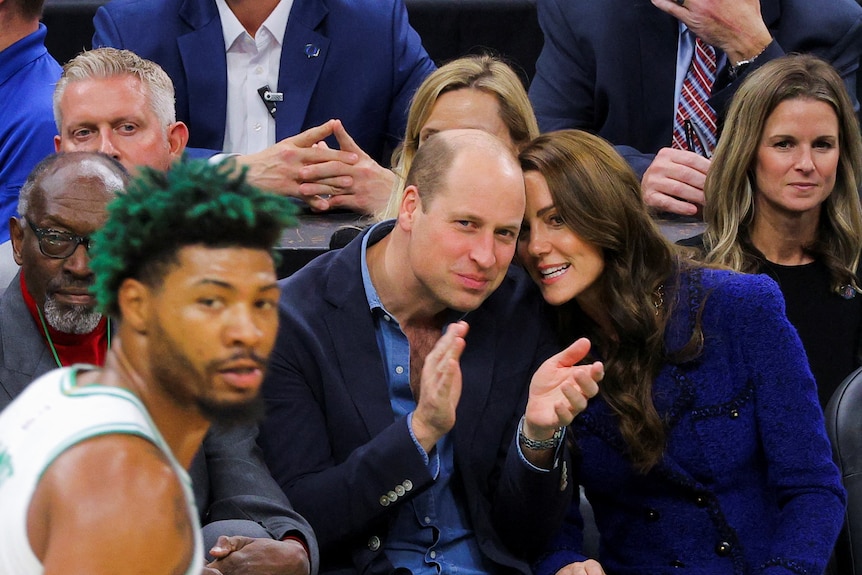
{"x": 194, "y": 203}
{"x": 598, "y": 196}
{"x": 29, "y": 8}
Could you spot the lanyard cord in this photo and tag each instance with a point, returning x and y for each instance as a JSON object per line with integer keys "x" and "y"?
{"x": 51, "y": 343}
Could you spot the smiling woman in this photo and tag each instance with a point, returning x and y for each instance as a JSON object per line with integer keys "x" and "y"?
{"x": 687, "y": 445}
{"x": 783, "y": 200}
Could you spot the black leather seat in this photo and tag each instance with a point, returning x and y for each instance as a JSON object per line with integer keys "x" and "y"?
{"x": 844, "y": 427}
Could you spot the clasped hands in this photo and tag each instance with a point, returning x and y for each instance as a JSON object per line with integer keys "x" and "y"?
{"x": 304, "y": 167}
{"x": 240, "y": 555}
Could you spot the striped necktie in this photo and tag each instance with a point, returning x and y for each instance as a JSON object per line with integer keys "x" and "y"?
{"x": 700, "y": 130}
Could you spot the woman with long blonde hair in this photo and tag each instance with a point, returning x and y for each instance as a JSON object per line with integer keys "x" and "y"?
{"x": 783, "y": 199}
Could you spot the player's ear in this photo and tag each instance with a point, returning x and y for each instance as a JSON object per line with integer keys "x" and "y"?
{"x": 134, "y": 299}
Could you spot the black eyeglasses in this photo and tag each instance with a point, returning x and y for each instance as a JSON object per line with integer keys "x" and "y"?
{"x": 693, "y": 139}
{"x": 59, "y": 245}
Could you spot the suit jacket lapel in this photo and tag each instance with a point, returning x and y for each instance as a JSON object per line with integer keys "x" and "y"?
{"x": 205, "y": 66}
{"x": 357, "y": 354}
{"x": 302, "y": 57}
{"x": 25, "y": 355}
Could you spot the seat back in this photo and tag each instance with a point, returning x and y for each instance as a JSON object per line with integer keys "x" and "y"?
{"x": 844, "y": 427}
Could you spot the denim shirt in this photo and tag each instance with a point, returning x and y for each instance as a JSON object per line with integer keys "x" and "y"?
{"x": 431, "y": 532}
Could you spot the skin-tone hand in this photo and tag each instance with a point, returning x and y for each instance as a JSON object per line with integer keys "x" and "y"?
{"x": 734, "y": 26}
{"x": 246, "y": 556}
{"x": 588, "y": 567}
{"x": 560, "y": 389}
{"x": 674, "y": 182}
{"x": 441, "y": 387}
{"x": 276, "y": 169}
{"x": 363, "y": 186}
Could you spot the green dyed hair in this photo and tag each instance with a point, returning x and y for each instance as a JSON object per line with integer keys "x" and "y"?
{"x": 194, "y": 203}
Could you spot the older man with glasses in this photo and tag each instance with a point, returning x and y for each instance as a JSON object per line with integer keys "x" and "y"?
{"x": 47, "y": 315}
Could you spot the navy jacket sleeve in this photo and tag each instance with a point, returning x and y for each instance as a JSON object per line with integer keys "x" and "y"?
{"x": 609, "y": 67}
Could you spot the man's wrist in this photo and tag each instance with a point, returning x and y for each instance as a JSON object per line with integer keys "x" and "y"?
{"x": 539, "y": 443}
{"x": 299, "y": 540}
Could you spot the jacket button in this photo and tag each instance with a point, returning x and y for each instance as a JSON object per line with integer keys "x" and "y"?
{"x": 734, "y": 413}
{"x": 652, "y": 515}
{"x": 392, "y": 496}
{"x": 374, "y": 543}
{"x": 723, "y": 549}
{"x": 400, "y": 491}
{"x": 384, "y": 501}
{"x": 701, "y": 501}
{"x": 407, "y": 484}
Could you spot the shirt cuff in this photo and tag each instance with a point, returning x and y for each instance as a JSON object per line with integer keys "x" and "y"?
{"x": 432, "y": 460}
{"x": 219, "y": 158}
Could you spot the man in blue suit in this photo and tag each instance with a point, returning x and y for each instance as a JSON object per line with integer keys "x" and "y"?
{"x": 27, "y": 77}
{"x": 408, "y": 443}
{"x": 615, "y": 68}
{"x": 353, "y": 60}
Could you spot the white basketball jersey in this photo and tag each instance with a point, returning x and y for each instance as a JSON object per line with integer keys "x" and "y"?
{"x": 51, "y": 415}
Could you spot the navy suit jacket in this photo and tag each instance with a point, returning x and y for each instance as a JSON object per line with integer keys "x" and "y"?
{"x": 609, "y": 67}
{"x": 229, "y": 477}
{"x": 369, "y": 62}
{"x": 331, "y": 440}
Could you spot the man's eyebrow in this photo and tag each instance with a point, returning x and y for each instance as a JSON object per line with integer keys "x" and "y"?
{"x": 232, "y": 287}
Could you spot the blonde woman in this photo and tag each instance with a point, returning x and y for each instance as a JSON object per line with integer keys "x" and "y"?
{"x": 782, "y": 199}
{"x": 481, "y": 92}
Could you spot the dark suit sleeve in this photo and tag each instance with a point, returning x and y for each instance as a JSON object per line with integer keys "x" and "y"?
{"x": 411, "y": 64}
{"x": 242, "y": 488}
{"x": 562, "y": 89}
{"x": 338, "y": 489}
{"x": 528, "y": 506}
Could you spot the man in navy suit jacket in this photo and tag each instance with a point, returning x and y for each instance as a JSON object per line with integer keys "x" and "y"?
{"x": 354, "y": 60}
{"x": 609, "y": 67}
{"x": 404, "y": 440}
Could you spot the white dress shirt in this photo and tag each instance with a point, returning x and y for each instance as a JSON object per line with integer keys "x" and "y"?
{"x": 252, "y": 62}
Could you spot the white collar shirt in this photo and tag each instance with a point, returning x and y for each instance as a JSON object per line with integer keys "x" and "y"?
{"x": 252, "y": 62}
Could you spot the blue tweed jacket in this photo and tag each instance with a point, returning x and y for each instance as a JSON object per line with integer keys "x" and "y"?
{"x": 747, "y": 484}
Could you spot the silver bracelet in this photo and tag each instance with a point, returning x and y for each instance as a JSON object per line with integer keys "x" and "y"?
{"x": 537, "y": 445}
{"x": 739, "y": 67}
